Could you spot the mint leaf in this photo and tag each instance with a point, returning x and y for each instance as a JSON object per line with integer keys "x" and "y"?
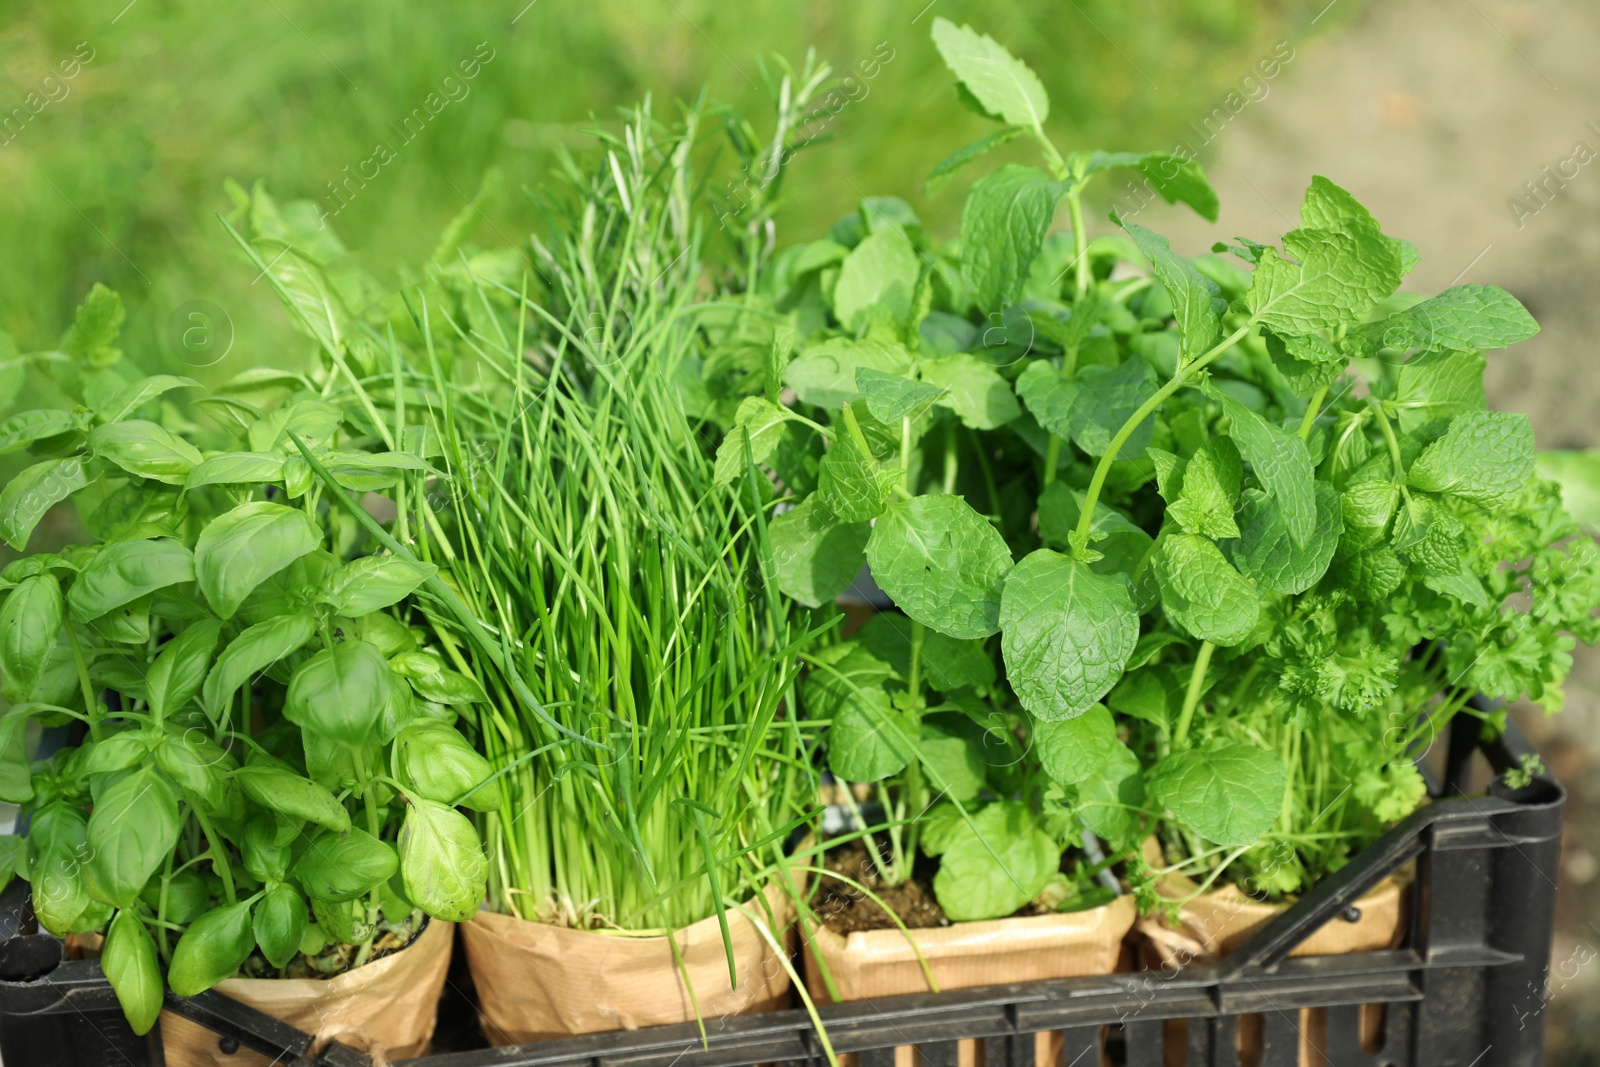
{"x": 952, "y": 754}
{"x": 1202, "y": 592}
{"x": 1437, "y": 385}
{"x": 1001, "y": 83}
{"x": 891, "y": 397}
{"x": 1484, "y": 457}
{"x": 1197, "y": 303}
{"x": 1110, "y": 800}
{"x": 1003, "y": 224}
{"x": 974, "y": 390}
{"x": 1229, "y": 794}
{"x": 1267, "y": 554}
{"x": 763, "y": 422}
{"x": 849, "y": 484}
{"x": 947, "y": 167}
{"x": 816, "y": 554}
{"x": 1280, "y": 461}
{"x": 824, "y": 374}
{"x": 1089, "y": 409}
{"x": 1072, "y": 750}
{"x": 1211, "y": 481}
{"x": 941, "y": 563}
{"x": 1306, "y": 363}
{"x": 994, "y": 864}
{"x": 1066, "y": 633}
{"x": 868, "y": 739}
{"x": 948, "y": 663}
{"x": 1461, "y": 319}
{"x": 1180, "y": 180}
{"x": 880, "y": 272}
{"x": 1338, "y": 278}
{"x": 1328, "y": 207}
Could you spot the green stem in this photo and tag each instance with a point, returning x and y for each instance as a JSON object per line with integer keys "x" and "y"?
{"x": 91, "y": 706}
{"x": 1389, "y": 437}
{"x": 1080, "y": 240}
{"x": 1086, "y": 519}
{"x": 1312, "y": 412}
{"x": 1191, "y": 698}
{"x": 219, "y": 859}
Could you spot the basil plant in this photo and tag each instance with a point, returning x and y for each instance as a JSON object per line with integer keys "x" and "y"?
{"x": 268, "y": 775}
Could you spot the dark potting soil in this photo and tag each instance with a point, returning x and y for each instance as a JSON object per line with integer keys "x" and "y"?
{"x": 844, "y": 909}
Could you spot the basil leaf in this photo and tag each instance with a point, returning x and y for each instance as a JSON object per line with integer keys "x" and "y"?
{"x": 339, "y": 867}
{"x": 123, "y": 572}
{"x": 128, "y": 960}
{"x": 442, "y": 865}
{"x": 131, "y": 833}
{"x": 437, "y": 762}
{"x": 237, "y": 468}
{"x": 279, "y": 924}
{"x": 340, "y": 692}
{"x": 30, "y": 623}
{"x": 213, "y": 948}
{"x": 145, "y": 449}
{"x": 239, "y": 550}
{"x": 132, "y": 397}
{"x": 285, "y": 791}
{"x": 27, "y": 427}
{"x": 34, "y": 491}
{"x": 180, "y": 668}
{"x": 253, "y": 651}
{"x": 373, "y": 582}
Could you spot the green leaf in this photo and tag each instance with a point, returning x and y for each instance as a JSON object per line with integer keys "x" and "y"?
{"x": 975, "y": 391}
{"x": 436, "y": 762}
{"x": 197, "y": 768}
{"x": 339, "y": 867}
{"x": 1197, "y": 303}
{"x": 27, "y": 427}
{"x": 763, "y": 423}
{"x": 132, "y": 397}
{"x": 34, "y": 491}
{"x": 213, "y": 948}
{"x": 1211, "y": 481}
{"x": 30, "y": 623}
{"x": 1109, "y": 801}
{"x": 995, "y": 864}
{"x": 1485, "y": 457}
{"x": 146, "y": 449}
{"x": 824, "y": 374}
{"x": 1066, "y": 633}
{"x": 1090, "y": 408}
{"x": 868, "y": 739}
{"x": 891, "y": 397}
{"x": 1281, "y": 462}
{"x": 95, "y": 328}
{"x": 313, "y": 421}
{"x": 175, "y": 677}
{"x": 1267, "y": 554}
{"x": 947, "y": 167}
{"x": 1003, "y": 225}
{"x": 372, "y": 582}
{"x": 237, "y": 468}
{"x": 279, "y": 923}
{"x": 448, "y": 687}
{"x": 849, "y": 483}
{"x": 1202, "y": 592}
{"x": 942, "y": 563}
{"x": 1338, "y": 278}
{"x": 132, "y": 833}
{"x": 1437, "y": 385}
{"x": 1229, "y": 794}
{"x": 951, "y": 752}
{"x": 124, "y": 572}
{"x": 1466, "y": 318}
{"x": 239, "y": 550}
{"x": 252, "y": 652}
{"x": 881, "y": 272}
{"x": 340, "y": 692}
{"x": 57, "y": 846}
{"x": 1002, "y": 84}
{"x": 442, "y": 865}
{"x": 948, "y": 663}
{"x": 1072, "y": 750}
{"x": 1578, "y": 475}
{"x": 128, "y": 959}
{"x": 1121, "y": 544}
{"x": 1180, "y": 180}
{"x": 283, "y": 790}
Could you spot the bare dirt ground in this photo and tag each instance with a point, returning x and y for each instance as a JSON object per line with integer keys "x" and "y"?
{"x": 1436, "y": 114}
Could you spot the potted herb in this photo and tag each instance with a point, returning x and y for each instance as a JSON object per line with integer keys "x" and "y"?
{"x": 267, "y": 777}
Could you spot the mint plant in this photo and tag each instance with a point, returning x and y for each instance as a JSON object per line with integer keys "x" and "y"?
{"x": 269, "y": 775}
{"x": 1250, "y": 502}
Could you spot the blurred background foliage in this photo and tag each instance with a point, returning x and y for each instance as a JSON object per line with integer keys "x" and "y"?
{"x": 120, "y": 179}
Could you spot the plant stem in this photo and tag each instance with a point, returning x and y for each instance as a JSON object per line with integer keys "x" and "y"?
{"x": 219, "y": 860}
{"x": 1191, "y": 698}
{"x": 1312, "y": 411}
{"x": 1103, "y": 468}
{"x": 91, "y": 706}
{"x": 1080, "y": 240}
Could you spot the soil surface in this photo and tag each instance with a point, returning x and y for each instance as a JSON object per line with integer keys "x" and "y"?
{"x": 843, "y": 909}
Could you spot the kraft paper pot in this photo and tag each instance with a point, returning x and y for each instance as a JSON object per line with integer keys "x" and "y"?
{"x": 1215, "y": 924}
{"x": 867, "y": 964}
{"x": 536, "y": 981}
{"x": 386, "y": 1007}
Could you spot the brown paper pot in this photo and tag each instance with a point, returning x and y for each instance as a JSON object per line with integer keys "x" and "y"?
{"x": 868, "y": 964}
{"x": 1215, "y": 924}
{"x": 387, "y": 1006}
{"x": 536, "y": 981}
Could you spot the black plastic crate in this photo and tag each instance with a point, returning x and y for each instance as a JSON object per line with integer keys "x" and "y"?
{"x": 1482, "y": 908}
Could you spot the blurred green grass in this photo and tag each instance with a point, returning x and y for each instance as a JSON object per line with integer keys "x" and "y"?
{"x": 120, "y": 178}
